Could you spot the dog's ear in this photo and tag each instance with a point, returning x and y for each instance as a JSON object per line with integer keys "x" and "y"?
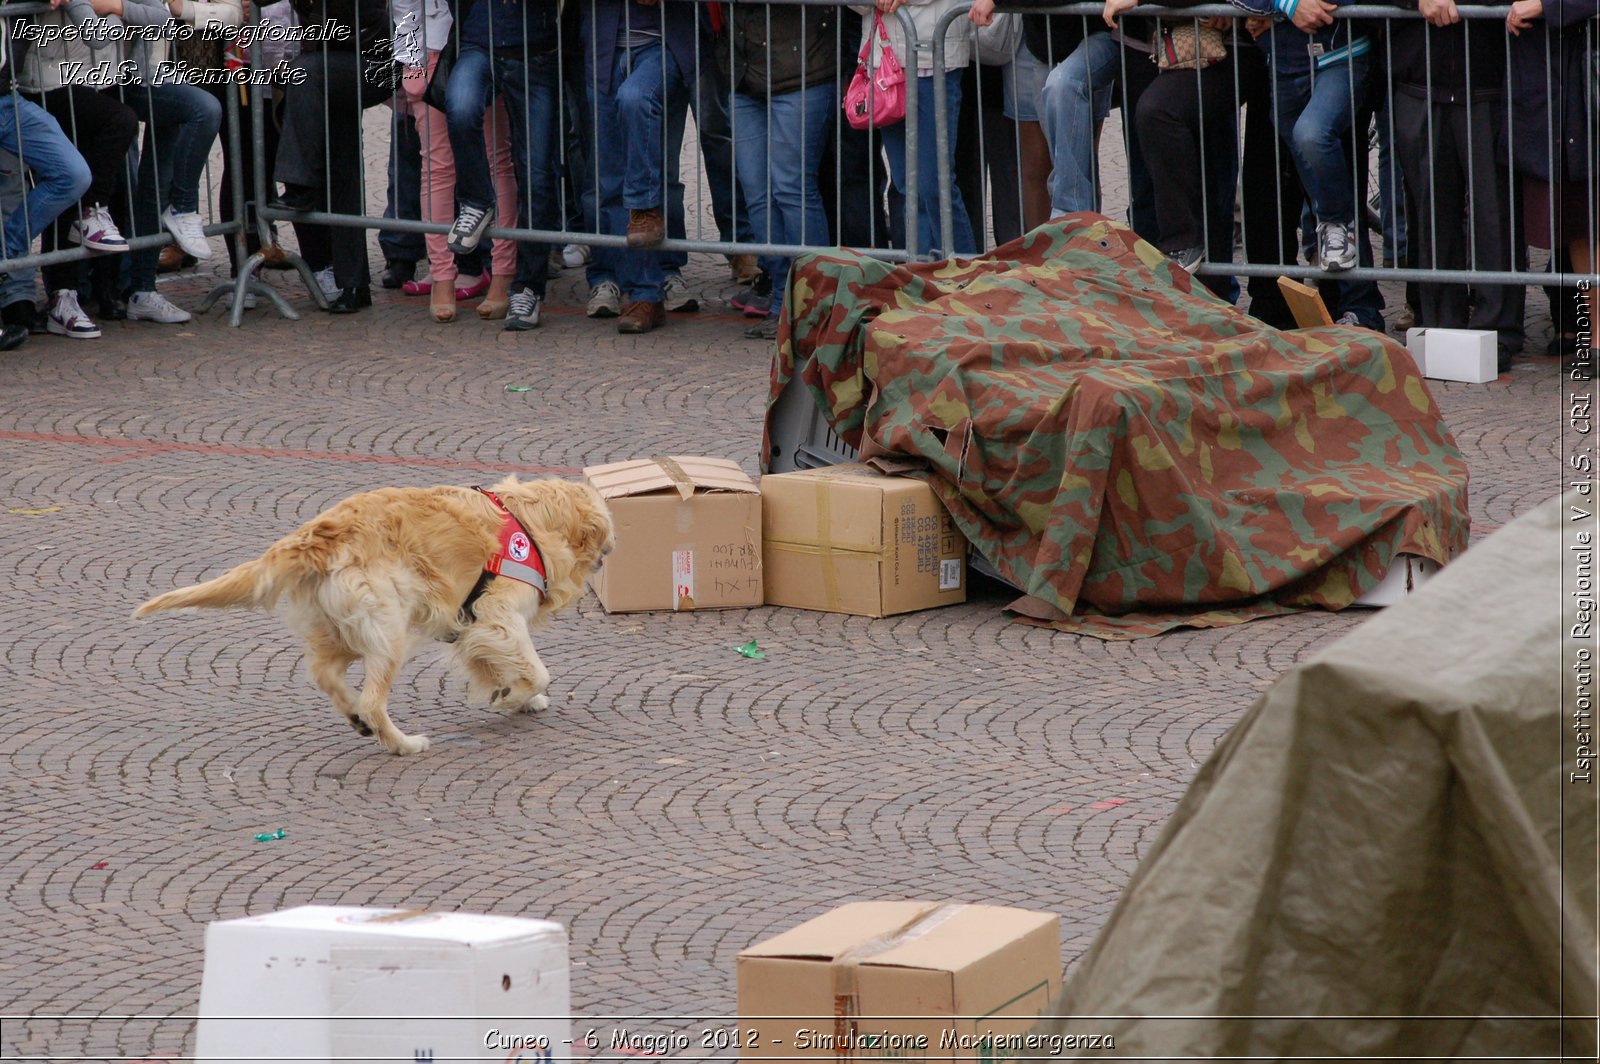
{"x": 597, "y": 536}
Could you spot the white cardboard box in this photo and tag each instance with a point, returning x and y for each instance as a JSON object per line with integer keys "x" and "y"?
{"x": 390, "y": 985}
{"x": 1469, "y": 355}
{"x": 1406, "y": 573}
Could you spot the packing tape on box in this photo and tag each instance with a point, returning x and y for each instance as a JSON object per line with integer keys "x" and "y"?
{"x": 675, "y": 473}
{"x": 846, "y": 992}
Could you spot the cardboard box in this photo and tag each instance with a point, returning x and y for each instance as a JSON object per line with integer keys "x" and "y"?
{"x": 848, "y": 539}
{"x": 924, "y": 980}
{"x": 688, "y": 535}
{"x": 1469, "y": 355}
{"x": 383, "y": 985}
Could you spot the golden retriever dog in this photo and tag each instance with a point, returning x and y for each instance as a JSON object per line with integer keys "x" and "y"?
{"x": 379, "y": 573}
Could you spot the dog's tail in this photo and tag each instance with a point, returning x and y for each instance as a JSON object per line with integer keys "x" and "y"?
{"x": 252, "y": 584}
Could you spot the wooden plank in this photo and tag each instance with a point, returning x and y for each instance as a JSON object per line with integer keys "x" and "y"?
{"x": 1305, "y": 303}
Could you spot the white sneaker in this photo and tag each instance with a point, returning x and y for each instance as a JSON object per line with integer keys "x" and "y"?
{"x": 468, "y": 229}
{"x": 325, "y": 281}
{"x": 575, "y": 255}
{"x": 66, "y": 318}
{"x": 188, "y": 232}
{"x": 95, "y": 230}
{"x": 1336, "y": 246}
{"x": 675, "y": 295}
{"x": 605, "y": 300}
{"x": 523, "y": 314}
{"x": 153, "y": 306}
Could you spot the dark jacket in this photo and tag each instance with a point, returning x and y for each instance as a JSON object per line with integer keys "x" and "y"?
{"x": 1561, "y": 31}
{"x": 1478, "y": 44}
{"x": 678, "y": 22}
{"x": 510, "y": 26}
{"x": 786, "y": 46}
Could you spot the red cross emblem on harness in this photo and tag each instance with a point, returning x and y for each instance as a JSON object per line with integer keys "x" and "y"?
{"x": 517, "y": 557}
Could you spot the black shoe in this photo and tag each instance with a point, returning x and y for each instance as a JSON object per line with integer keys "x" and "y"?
{"x": 22, "y": 313}
{"x": 351, "y": 300}
{"x": 1503, "y": 362}
{"x": 111, "y": 306}
{"x": 296, "y": 198}
{"x": 397, "y": 272}
{"x": 12, "y": 337}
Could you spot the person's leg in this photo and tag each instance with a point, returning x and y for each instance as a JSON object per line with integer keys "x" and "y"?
{"x": 436, "y": 191}
{"x": 1439, "y": 200}
{"x": 711, "y": 101}
{"x": 403, "y": 197}
{"x": 1167, "y": 115}
{"x": 502, "y": 167}
{"x": 529, "y": 90}
{"x": 1136, "y": 78}
{"x": 1316, "y": 133}
{"x": 894, "y": 142}
{"x": 346, "y": 184}
{"x": 1075, "y": 98}
{"x": 641, "y": 110}
{"x": 608, "y": 264}
{"x": 60, "y": 175}
{"x": 1023, "y": 81}
{"x": 301, "y": 159}
{"x": 1271, "y": 191}
{"x": 800, "y": 124}
{"x": 758, "y": 140}
{"x": 1494, "y": 247}
{"x": 467, "y": 98}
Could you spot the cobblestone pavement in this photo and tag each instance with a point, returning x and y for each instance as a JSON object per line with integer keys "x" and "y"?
{"x": 678, "y": 802}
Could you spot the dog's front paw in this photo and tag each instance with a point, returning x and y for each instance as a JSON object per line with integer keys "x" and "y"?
{"x": 536, "y": 703}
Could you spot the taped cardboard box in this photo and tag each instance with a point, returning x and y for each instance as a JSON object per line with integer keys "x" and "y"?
{"x": 849, "y": 539}
{"x": 383, "y": 985}
{"x": 688, "y": 535}
{"x": 924, "y": 980}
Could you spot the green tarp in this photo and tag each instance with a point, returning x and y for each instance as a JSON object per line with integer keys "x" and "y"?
{"x": 1126, "y": 448}
{"x": 1392, "y": 855}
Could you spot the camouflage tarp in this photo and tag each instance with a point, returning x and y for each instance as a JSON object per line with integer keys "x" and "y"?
{"x": 1116, "y": 440}
{"x": 1392, "y": 855}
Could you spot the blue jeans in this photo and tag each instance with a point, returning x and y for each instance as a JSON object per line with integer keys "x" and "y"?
{"x": 778, "y": 145}
{"x": 404, "y": 198}
{"x": 181, "y": 123}
{"x": 894, "y": 145}
{"x": 18, "y": 283}
{"x": 1077, "y": 97}
{"x": 529, "y": 90}
{"x": 60, "y": 176}
{"x": 710, "y": 101}
{"x": 630, "y": 121}
{"x": 1313, "y": 113}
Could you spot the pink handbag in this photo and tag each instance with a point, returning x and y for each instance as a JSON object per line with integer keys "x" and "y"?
{"x": 876, "y": 98}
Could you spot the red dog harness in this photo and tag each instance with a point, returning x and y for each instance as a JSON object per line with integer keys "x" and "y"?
{"x": 517, "y": 557}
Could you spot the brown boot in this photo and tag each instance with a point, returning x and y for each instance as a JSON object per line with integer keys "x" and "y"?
{"x": 641, "y": 317}
{"x": 646, "y": 229}
{"x": 744, "y": 268}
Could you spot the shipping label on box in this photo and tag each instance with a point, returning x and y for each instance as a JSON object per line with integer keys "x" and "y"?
{"x": 688, "y": 535}
{"x": 901, "y": 980}
{"x": 849, "y": 539}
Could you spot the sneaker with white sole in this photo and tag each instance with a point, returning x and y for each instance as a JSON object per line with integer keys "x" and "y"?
{"x": 95, "y": 230}
{"x": 153, "y": 306}
{"x": 249, "y": 301}
{"x": 1336, "y": 246}
{"x": 605, "y": 300}
{"x": 575, "y": 255}
{"x": 469, "y": 228}
{"x": 325, "y": 281}
{"x": 523, "y": 314}
{"x": 66, "y": 318}
{"x": 188, "y": 232}
{"x": 675, "y": 295}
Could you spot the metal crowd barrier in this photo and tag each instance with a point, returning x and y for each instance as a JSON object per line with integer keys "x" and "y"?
{"x": 956, "y": 19}
{"x": 232, "y": 229}
{"x": 894, "y": 222}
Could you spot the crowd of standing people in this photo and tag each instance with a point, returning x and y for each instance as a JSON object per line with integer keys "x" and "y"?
{"x": 569, "y": 118}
